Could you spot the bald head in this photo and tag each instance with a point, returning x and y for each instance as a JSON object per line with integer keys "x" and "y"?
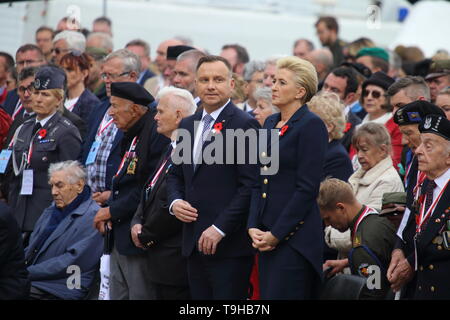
{"x": 161, "y": 52}
{"x": 322, "y": 59}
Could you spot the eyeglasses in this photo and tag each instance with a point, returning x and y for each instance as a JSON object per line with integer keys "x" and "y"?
{"x": 113, "y": 76}
{"x": 26, "y": 62}
{"x": 58, "y": 51}
{"x": 375, "y": 94}
{"x": 30, "y": 88}
{"x": 260, "y": 81}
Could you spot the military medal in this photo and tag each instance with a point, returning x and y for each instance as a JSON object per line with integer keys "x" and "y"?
{"x": 132, "y": 166}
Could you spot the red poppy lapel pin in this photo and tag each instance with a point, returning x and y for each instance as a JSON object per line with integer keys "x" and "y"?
{"x": 42, "y": 133}
{"x": 218, "y": 127}
{"x": 283, "y": 130}
{"x": 348, "y": 126}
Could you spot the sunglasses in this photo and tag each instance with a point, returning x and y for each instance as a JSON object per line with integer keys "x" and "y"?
{"x": 59, "y": 51}
{"x": 375, "y": 94}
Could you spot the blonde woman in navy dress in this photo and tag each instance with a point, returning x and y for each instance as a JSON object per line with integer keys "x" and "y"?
{"x": 284, "y": 222}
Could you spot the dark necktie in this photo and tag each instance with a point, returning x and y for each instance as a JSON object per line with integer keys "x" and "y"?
{"x": 429, "y": 194}
{"x": 36, "y": 127}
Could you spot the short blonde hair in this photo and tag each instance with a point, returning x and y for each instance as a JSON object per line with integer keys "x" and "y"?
{"x": 331, "y": 110}
{"x": 305, "y": 74}
{"x": 333, "y": 191}
{"x": 58, "y": 94}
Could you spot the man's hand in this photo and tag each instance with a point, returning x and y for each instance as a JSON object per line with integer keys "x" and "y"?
{"x": 336, "y": 265}
{"x": 400, "y": 271}
{"x": 100, "y": 218}
{"x": 101, "y": 197}
{"x": 268, "y": 242}
{"x": 208, "y": 241}
{"x": 135, "y": 230}
{"x": 184, "y": 211}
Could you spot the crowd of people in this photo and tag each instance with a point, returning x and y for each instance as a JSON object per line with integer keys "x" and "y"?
{"x": 354, "y": 180}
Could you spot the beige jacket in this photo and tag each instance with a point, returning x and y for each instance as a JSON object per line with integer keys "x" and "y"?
{"x": 369, "y": 187}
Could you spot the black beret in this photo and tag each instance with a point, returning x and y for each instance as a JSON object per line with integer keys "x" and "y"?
{"x": 414, "y": 112}
{"x": 380, "y": 79}
{"x": 359, "y": 67}
{"x": 174, "y": 51}
{"x": 131, "y": 91}
{"x": 436, "y": 124}
{"x": 49, "y": 77}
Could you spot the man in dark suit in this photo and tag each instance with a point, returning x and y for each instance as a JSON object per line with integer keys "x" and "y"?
{"x": 141, "y": 148}
{"x": 153, "y": 228}
{"x": 428, "y": 265}
{"x": 121, "y": 65}
{"x": 213, "y": 200}
{"x": 14, "y": 283}
{"x": 142, "y": 50}
{"x": 344, "y": 83}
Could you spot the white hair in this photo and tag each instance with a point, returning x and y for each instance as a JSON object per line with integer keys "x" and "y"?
{"x": 184, "y": 97}
{"x": 75, "y": 40}
{"x": 73, "y": 169}
{"x": 251, "y": 67}
{"x": 106, "y": 40}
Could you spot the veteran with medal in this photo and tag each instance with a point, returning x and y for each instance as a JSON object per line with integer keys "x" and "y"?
{"x": 429, "y": 262}
{"x": 37, "y": 143}
{"x": 141, "y": 149}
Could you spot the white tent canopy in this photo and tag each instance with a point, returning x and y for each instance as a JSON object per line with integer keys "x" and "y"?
{"x": 427, "y": 27}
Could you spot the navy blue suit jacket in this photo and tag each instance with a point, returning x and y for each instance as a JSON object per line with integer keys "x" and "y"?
{"x": 289, "y": 209}
{"x": 11, "y": 101}
{"x": 85, "y": 105}
{"x": 147, "y": 75}
{"x": 114, "y": 155}
{"x": 221, "y": 193}
{"x": 337, "y": 162}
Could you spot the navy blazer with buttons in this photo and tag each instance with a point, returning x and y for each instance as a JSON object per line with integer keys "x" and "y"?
{"x": 285, "y": 203}
{"x": 221, "y": 193}
{"x": 114, "y": 154}
{"x": 147, "y": 75}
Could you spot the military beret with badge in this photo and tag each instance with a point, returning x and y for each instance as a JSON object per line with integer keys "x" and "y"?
{"x": 415, "y": 112}
{"x": 436, "y": 124}
{"x": 131, "y": 91}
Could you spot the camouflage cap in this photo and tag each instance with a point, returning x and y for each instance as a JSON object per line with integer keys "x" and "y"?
{"x": 438, "y": 68}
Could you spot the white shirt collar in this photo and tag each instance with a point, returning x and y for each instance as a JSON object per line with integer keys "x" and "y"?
{"x": 45, "y": 120}
{"x": 197, "y": 100}
{"x": 215, "y": 114}
{"x": 443, "y": 179}
{"x": 381, "y": 120}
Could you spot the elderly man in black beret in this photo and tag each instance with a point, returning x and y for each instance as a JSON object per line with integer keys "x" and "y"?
{"x": 141, "y": 148}
{"x": 429, "y": 263}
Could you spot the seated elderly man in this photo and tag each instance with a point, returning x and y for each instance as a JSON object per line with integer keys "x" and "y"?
{"x": 64, "y": 249}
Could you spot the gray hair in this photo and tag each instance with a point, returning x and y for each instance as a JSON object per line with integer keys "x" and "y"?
{"x": 309, "y": 44}
{"x": 273, "y": 59}
{"x": 446, "y": 90}
{"x": 106, "y": 40}
{"x": 130, "y": 60}
{"x": 194, "y": 55}
{"x": 252, "y": 67}
{"x": 413, "y": 86}
{"x": 376, "y": 133}
{"x": 73, "y": 169}
{"x": 75, "y": 40}
{"x": 265, "y": 93}
{"x": 185, "y": 100}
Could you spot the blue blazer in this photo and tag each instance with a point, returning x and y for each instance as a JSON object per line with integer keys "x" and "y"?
{"x": 147, "y": 75}
{"x": 114, "y": 155}
{"x": 221, "y": 193}
{"x": 73, "y": 242}
{"x": 337, "y": 162}
{"x": 289, "y": 209}
{"x": 11, "y": 101}
{"x": 85, "y": 105}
